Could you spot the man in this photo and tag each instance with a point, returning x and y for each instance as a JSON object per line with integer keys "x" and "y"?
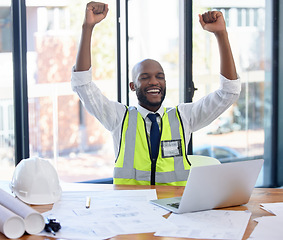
{"x": 150, "y": 148}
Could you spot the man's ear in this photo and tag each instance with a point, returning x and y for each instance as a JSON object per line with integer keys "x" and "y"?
{"x": 132, "y": 86}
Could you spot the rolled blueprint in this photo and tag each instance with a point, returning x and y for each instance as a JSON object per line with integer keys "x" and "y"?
{"x": 34, "y": 221}
{"x": 11, "y": 225}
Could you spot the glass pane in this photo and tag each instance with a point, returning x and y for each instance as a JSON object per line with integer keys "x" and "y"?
{"x": 60, "y": 128}
{"x": 7, "y": 162}
{"x": 152, "y": 34}
{"x": 239, "y": 132}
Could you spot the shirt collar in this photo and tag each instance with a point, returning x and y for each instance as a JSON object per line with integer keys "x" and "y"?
{"x": 144, "y": 111}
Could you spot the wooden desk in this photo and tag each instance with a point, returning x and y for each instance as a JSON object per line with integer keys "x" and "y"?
{"x": 260, "y": 195}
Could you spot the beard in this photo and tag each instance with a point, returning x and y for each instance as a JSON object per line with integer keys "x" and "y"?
{"x": 143, "y": 99}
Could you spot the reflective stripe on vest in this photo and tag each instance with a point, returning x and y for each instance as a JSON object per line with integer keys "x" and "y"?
{"x": 133, "y": 165}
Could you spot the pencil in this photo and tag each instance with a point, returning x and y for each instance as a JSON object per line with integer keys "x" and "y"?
{"x": 87, "y": 203}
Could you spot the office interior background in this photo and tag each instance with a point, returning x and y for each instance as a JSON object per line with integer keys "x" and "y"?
{"x": 41, "y": 116}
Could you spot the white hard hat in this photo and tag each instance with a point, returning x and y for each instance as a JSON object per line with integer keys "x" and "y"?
{"x": 35, "y": 181}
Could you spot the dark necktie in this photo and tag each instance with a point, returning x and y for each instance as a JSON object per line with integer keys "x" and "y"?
{"x": 154, "y": 136}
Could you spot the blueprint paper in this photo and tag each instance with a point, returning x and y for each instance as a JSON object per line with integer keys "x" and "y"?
{"x": 212, "y": 224}
{"x": 110, "y": 213}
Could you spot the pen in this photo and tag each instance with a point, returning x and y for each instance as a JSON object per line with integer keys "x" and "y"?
{"x": 49, "y": 229}
{"x": 87, "y": 203}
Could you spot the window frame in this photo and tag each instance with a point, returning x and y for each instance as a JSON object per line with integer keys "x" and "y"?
{"x": 21, "y": 127}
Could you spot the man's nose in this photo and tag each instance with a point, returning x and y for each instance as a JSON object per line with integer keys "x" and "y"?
{"x": 153, "y": 80}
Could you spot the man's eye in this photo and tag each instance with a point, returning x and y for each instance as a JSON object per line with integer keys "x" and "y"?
{"x": 161, "y": 77}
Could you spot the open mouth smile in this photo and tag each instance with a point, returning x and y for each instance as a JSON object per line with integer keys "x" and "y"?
{"x": 153, "y": 91}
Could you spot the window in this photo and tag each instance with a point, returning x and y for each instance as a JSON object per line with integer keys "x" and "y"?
{"x": 238, "y": 133}
{"x": 7, "y": 162}
{"x": 152, "y": 34}
{"x": 241, "y": 128}
{"x": 82, "y": 148}
{"x": 60, "y": 129}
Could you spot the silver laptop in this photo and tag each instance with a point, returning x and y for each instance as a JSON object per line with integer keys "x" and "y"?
{"x": 215, "y": 186}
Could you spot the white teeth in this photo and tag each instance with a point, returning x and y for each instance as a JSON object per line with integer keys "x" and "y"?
{"x": 153, "y": 91}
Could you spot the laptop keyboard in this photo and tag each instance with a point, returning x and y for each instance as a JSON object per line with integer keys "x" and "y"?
{"x": 174, "y": 205}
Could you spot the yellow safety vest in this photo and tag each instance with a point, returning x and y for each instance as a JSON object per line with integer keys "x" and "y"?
{"x": 134, "y": 166}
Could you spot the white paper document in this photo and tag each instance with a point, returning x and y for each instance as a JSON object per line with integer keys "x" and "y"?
{"x": 115, "y": 212}
{"x": 110, "y": 213}
{"x": 212, "y": 224}
{"x": 274, "y": 208}
{"x": 269, "y": 227}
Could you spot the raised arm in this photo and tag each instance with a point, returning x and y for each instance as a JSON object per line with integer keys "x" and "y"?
{"x": 95, "y": 12}
{"x": 214, "y": 22}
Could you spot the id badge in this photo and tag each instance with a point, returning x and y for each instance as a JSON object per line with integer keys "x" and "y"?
{"x": 171, "y": 148}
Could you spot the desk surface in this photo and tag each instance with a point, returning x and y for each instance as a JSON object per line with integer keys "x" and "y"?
{"x": 260, "y": 195}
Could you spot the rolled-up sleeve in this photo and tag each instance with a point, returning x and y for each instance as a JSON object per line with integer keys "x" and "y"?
{"x": 231, "y": 86}
{"x": 80, "y": 78}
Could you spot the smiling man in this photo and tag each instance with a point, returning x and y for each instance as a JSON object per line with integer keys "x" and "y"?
{"x": 150, "y": 140}
{"x": 149, "y": 83}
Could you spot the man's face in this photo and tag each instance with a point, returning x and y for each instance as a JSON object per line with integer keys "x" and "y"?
{"x": 150, "y": 85}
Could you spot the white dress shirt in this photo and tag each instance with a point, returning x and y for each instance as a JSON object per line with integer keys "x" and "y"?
{"x": 194, "y": 115}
